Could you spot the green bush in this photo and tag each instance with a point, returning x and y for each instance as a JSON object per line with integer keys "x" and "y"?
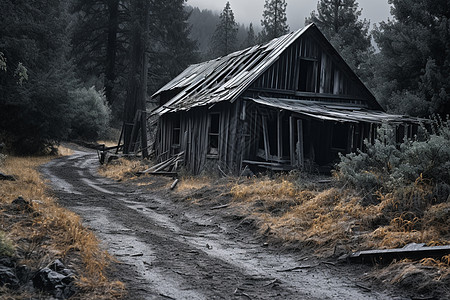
{"x": 91, "y": 114}
{"x": 6, "y": 245}
{"x": 387, "y": 166}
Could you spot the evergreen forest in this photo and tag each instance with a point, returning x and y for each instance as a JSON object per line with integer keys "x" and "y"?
{"x": 72, "y": 69}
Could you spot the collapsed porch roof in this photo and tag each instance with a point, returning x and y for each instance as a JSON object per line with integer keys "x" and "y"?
{"x": 334, "y": 112}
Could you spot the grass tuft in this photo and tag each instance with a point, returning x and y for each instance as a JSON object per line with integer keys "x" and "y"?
{"x": 48, "y": 231}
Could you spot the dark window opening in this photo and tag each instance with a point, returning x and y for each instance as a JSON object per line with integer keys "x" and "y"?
{"x": 176, "y": 132}
{"x": 308, "y": 75}
{"x": 273, "y": 141}
{"x": 339, "y": 138}
{"x": 213, "y": 134}
{"x": 285, "y": 137}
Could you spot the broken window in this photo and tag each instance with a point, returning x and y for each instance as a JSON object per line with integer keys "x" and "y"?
{"x": 213, "y": 134}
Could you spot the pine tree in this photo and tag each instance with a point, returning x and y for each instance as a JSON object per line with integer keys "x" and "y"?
{"x": 36, "y": 113}
{"x": 251, "y": 37}
{"x": 99, "y": 44}
{"x": 224, "y": 39}
{"x": 171, "y": 50}
{"x": 137, "y": 76}
{"x": 339, "y": 21}
{"x": 274, "y": 20}
{"x": 413, "y": 71}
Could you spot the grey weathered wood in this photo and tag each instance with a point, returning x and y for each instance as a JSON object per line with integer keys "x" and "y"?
{"x": 292, "y": 141}
{"x": 266, "y": 137}
{"x": 279, "y": 135}
{"x": 144, "y": 144}
{"x": 350, "y": 139}
{"x": 413, "y": 250}
{"x": 174, "y": 184}
{"x": 300, "y": 143}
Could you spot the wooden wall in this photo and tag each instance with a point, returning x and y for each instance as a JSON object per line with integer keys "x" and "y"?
{"x": 194, "y": 138}
{"x": 307, "y": 62}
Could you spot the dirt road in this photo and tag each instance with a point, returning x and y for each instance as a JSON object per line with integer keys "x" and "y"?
{"x": 170, "y": 250}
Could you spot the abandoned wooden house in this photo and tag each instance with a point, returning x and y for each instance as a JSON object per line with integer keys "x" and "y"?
{"x": 288, "y": 104}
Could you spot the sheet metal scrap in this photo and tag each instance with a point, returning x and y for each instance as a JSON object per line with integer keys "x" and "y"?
{"x": 335, "y": 112}
{"x": 413, "y": 251}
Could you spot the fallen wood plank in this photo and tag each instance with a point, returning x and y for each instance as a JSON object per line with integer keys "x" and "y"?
{"x": 220, "y": 206}
{"x": 174, "y": 184}
{"x": 170, "y": 174}
{"x": 297, "y": 268}
{"x": 413, "y": 251}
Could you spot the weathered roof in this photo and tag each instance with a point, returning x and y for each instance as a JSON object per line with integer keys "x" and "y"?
{"x": 334, "y": 112}
{"x": 224, "y": 78}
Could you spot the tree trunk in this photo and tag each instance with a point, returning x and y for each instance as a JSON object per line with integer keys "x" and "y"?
{"x": 111, "y": 49}
{"x": 137, "y": 80}
{"x": 337, "y": 3}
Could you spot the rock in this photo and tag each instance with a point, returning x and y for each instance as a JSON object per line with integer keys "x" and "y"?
{"x": 22, "y": 204}
{"x": 7, "y": 261}
{"x": 7, "y": 177}
{"x": 23, "y": 273}
{"x": 8, "y": 277}
{"x": 57, "y": 266}
{"x": 55, "y": 279}
{"x": 47, "y": 280}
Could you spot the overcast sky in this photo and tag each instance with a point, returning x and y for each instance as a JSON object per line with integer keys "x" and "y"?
{"x": 246, "y": 11}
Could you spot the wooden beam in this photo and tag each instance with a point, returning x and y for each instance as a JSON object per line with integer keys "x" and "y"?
{"x": 300, "y": 144}
{"x": 144, "y": 144}
{"x": 266, "y": 137}
{"x": 292, "y": 141}
{"x": 351, "y": 130}
{"x": 279, "y": 135}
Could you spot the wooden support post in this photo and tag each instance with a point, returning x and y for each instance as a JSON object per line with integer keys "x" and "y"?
{"x": 406, "y": 131}
{"x": 144, "y": 144}
{"x": 279, "y": 135}
{"x": 300, "y": 144}
{"x": 266, "y": 137}
{"x": 361, "y": 135}
{"x": 120, "y": 138}
{"x": 134, "y": 132}
{"x": 350, "y": 138}
{"x": 292, "y": 141}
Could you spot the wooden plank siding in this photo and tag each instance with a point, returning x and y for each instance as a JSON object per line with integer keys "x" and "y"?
{"x": 330, "y": 76}
{"x": 292, "y": 103}
{"x": 194, "y": 129}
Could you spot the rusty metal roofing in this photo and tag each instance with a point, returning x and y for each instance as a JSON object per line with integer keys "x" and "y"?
{"x": 334, "y": 112}
{"x": 224, "y": 78}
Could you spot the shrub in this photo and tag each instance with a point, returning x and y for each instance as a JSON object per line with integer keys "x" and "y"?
{"x": 6, "y": 245}
{"x": 387, "y": 165}
{"x": 91, "y": 114}
{"x": 416, "y": 173}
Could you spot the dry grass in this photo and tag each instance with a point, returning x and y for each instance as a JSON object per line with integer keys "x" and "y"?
{"x": 324, "y": 219}
{"x": 49, "y": 231}
{"x": 192, "y": 183}
{"x": 108, "y": 143}
{"x": 333, "y": 220}
{"x": 122, "y": 169}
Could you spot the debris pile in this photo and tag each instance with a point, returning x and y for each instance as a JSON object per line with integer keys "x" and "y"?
{"x": 168, "y": 167}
